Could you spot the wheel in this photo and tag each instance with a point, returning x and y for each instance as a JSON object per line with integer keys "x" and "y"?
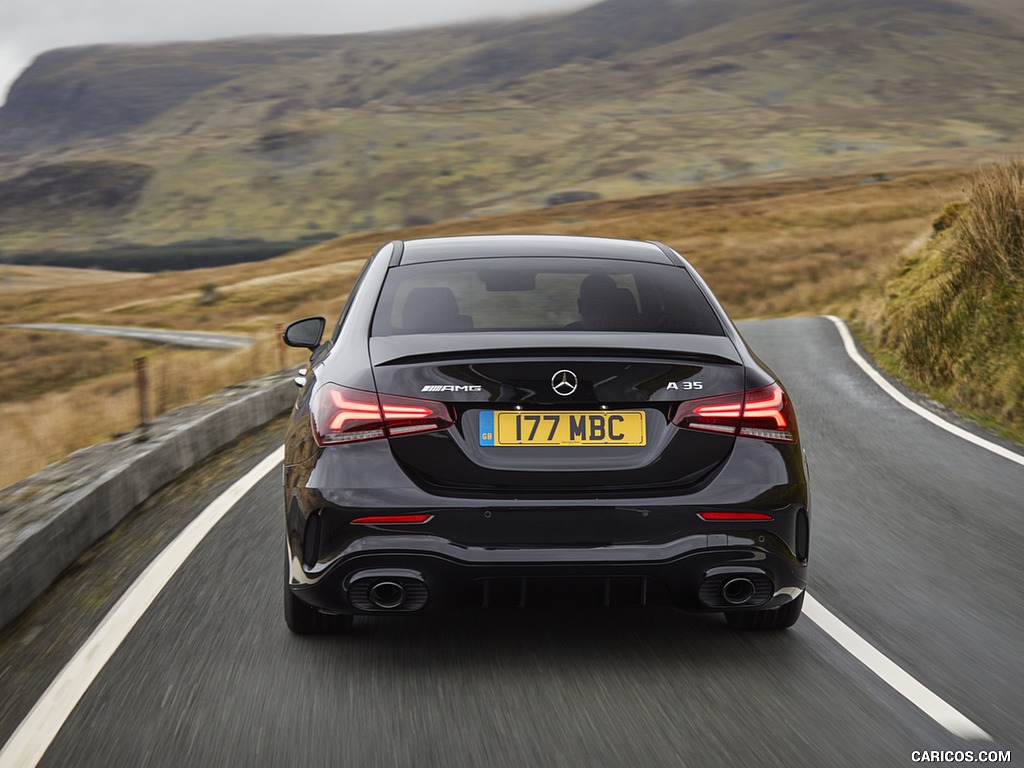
{"x": 783, "y": 617}
{"x": 303, "y": 619}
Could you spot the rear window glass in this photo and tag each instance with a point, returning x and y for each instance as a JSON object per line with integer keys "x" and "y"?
{"x": 542, "y": 294}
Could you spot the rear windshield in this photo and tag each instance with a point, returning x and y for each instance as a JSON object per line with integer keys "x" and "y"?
{"x": 542, "y": 294}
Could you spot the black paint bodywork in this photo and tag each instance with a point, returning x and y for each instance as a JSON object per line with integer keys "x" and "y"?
{"x": 516, "y": 526}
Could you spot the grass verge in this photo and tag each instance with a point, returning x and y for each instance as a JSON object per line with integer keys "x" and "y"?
{"x": 951, "y": 322}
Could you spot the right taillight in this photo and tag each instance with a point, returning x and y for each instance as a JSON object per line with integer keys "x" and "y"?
{"x": 346, "y": 415}
{"x": 765, "y": 413}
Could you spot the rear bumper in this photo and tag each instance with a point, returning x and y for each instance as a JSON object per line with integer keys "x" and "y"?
{"x": 649, "y": 548}
{"x": 688, "y": 573}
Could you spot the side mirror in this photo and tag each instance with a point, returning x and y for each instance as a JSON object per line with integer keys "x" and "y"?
{"x": 305, "y": 333}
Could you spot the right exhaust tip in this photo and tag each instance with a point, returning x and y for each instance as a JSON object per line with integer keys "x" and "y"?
{"x": 387, "y": 594}
{"x": 738, "y": 591}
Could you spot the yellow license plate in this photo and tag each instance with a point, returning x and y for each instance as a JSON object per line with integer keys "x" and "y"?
{"x": 583, "y": 428}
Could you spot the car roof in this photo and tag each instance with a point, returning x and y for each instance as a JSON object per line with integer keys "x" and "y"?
{"x": 530, "y": 246}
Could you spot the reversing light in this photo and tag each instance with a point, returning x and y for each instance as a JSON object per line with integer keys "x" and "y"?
{"x": 720, "y": 516}
{"x": 346, "y": 415}
{"x": 392, "y": 519}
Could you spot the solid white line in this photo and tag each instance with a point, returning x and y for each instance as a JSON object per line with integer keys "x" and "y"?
{"x": 39, "y": 728}
{"x": 873, "y": 659}
{"x": 892, "y": 674}
{"x": 906, "y": 402}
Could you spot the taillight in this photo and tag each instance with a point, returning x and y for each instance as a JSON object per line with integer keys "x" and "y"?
{"x": 764, "y": 413}
{"x": 768, "y": 414}
{"x": 344, "y": 415}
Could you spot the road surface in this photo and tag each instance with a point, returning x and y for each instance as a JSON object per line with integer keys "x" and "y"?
{"x": 190, "y": 339}
{"x": 915, "y": 548}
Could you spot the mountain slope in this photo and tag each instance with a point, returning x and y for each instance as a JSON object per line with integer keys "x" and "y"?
{"x": 284, "y": 137}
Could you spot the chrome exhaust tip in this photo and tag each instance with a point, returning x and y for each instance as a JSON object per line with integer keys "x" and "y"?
{"x": 395, "y": 590}
{"x": 738, "y": 591}
{"x": 387, "y": 595}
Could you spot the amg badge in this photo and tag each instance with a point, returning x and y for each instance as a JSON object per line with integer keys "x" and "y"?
{"x": 452, "y": 388}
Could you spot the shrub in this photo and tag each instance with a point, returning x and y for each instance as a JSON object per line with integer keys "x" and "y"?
{"x": 208, "y": 294}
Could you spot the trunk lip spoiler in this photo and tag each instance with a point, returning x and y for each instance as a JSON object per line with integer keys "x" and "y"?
{"x": 408, "y": 349}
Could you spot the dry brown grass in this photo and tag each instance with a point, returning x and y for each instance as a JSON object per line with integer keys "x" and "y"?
{"x": 774, "y": 248}
{"x": 33, "y": 362}
{"x": 16, "y": 278}
{"x": 991, "y": 234}
{"x": 45, "y": 428}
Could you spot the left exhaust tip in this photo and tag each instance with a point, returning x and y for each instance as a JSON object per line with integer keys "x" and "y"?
{"x": 387, "y": 595}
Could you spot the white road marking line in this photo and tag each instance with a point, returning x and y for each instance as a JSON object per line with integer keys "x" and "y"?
{"x": 37, "y": 731}
{"x": 906, "y": 402}
{"x": 892, "y": 674}
{"x": 913, "y": 691}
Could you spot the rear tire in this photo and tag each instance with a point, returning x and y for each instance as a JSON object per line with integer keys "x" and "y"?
{"x": 303, "y": 619}
{"x": 783, "y": 617}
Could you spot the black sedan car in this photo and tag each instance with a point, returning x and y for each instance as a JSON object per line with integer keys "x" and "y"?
{"x": 539, "y": 420}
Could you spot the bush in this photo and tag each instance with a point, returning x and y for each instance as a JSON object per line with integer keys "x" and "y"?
{"x": 208, "y": 294}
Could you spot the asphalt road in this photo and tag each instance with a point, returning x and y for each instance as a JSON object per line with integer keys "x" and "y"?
{"x": 915, "y": 545}
{"x": 189, "y": 339}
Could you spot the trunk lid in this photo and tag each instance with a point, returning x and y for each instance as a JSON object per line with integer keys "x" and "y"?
{"x": 536, "y": 414}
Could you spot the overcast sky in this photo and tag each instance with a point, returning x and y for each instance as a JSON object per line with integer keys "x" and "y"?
{"x": 29, "y": 27}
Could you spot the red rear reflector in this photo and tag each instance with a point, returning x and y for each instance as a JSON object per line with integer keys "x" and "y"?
{"x": 344, "y": 415}
{"x": 718, "y": 516}
{"x": 391, "y": 519}
{"x": 765, "y": 413}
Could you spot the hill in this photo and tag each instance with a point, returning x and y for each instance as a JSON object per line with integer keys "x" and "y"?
{"x": 284, "y": 138}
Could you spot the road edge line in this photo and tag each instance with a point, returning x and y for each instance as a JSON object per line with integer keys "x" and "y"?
{"x": 906, "y": 402}
{"x": 886, "y": 669}
{"x": 40, "y": 727}
{"x": 892, "y": 674}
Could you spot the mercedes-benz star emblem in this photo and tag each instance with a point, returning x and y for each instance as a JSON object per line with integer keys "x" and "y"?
{"x": 564, "y": 382}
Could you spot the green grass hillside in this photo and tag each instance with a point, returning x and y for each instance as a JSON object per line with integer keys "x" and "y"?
{"x": 954, "y": 316}
{"x": 282, "y": 138}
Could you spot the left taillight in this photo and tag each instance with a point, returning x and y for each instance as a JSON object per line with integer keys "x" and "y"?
{"x": 346, "y": 415}
{"x": 765, "y": 413}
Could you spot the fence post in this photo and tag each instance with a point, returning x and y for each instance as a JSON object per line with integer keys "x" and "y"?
{"x": 278, "y": 331}
{"x": 142, "y": 388}
{"x": 160, "y": 388}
